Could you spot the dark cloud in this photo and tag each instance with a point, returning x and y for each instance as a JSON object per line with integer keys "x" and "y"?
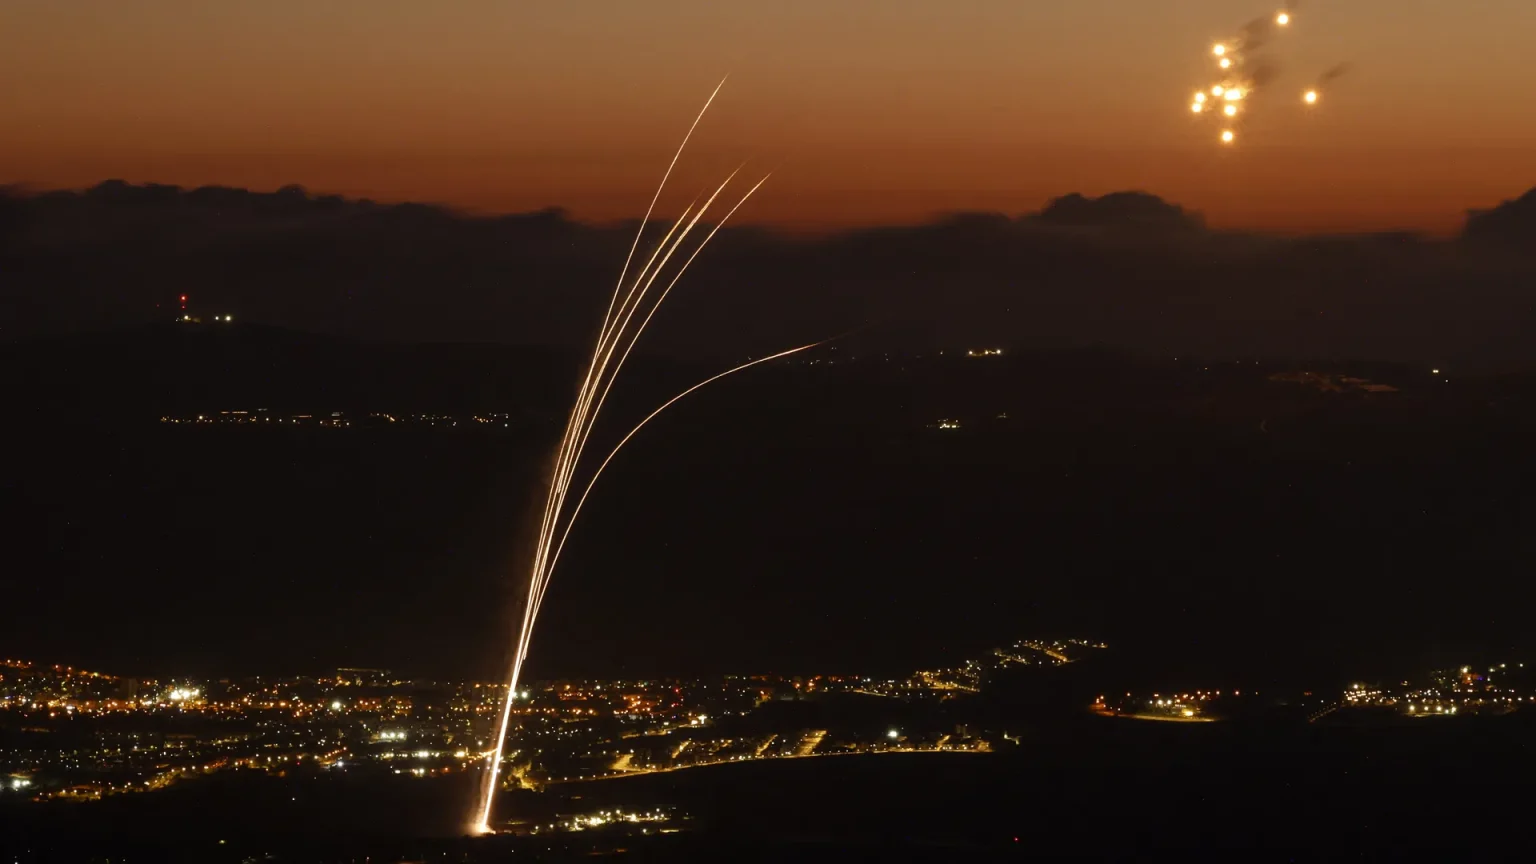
{"x": 14, "y": 210}
{"x": 1512, "y": 223}
{"x": 1119, "y": 210}
{"x": 1127, "y": 270}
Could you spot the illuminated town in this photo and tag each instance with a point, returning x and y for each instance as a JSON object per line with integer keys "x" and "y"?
{"x": 339, "y": 419}
{"x": 79, "y": 735}
{"x": 1464, "y": 692}
{"x": 84, "y": 735}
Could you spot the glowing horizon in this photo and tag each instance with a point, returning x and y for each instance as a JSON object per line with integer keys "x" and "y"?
{"x": 882, "y": 117}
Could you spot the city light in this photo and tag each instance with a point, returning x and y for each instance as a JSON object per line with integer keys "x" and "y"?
{"x": 633, "y": 726}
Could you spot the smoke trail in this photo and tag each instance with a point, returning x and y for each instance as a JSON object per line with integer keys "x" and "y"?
{"x": 1254, "y": 35}
{"x": 1334, "y": 73}
{"x": 1262, "y": 74}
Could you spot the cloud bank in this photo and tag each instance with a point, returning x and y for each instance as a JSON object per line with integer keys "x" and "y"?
{"x": 1127, "y": 270}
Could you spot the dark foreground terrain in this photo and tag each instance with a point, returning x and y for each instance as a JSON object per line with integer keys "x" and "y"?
{"x": 801, "y": 518}
{"x": 1217, "y": 526}
{"x": 1100, "y": 789}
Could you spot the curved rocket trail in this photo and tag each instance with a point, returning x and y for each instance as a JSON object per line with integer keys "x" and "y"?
{"x": 615, "y": 338}
{"x": 555, "y": 559}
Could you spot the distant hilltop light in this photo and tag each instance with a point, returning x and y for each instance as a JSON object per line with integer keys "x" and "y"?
{"x": 984, "y": 352}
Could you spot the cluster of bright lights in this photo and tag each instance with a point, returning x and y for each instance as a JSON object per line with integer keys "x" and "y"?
{"x": 622, "y": 327}
{"x": 607, "y": 817}
{"x": 1225, "y": 99}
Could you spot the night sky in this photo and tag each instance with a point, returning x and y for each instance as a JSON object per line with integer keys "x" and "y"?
{"x": 874, "y": 112}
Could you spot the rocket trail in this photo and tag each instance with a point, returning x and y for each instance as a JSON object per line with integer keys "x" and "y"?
{"x": 643, "y": 324}
{"x": 628, "y": 259}
{"x": 616, "y": 338}
{"x": 641, "y": 425}
{"x": 603, "y": 334}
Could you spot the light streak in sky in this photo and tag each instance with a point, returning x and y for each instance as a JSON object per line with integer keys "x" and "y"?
{"x": 625, "y": 440}
{"x": 616, "y": 339}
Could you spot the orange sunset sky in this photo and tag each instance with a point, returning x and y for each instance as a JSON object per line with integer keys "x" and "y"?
{"x": 869, "y": 112}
